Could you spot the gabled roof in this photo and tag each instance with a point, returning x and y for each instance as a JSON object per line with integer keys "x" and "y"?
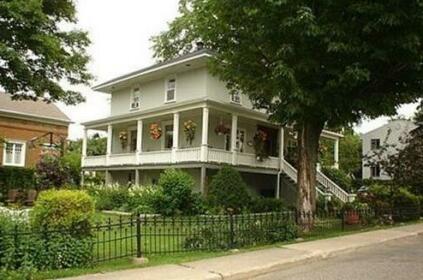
{"x": 189, "y": 57}
{"x": 32, "y": 110}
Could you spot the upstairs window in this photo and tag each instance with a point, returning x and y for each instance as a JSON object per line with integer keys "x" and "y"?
{"x": 236, "y": 97}
{"x": 14, "y": 153}
{"x": 375, "y": 144}
{"x": 135, "y": 99}
{"x": 170, "y": 94}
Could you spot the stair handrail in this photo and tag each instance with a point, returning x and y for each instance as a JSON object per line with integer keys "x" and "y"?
{"x": 322, "y": 179}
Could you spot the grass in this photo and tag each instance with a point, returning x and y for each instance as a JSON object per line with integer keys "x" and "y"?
{"x": 321, "y": 232}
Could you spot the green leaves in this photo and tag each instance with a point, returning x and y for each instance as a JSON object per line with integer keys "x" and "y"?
{"x": 37, "y": 54}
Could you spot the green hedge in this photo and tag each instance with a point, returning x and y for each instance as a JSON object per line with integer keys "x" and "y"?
{"x": 16, "y": 178}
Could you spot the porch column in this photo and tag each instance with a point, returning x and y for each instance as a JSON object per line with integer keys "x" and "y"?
{"x": 109, "y": 142}
{"x": 84, "y": 143}
{"x": 203, "y": 180}
{"x": 175, "y": 144}
{"x": 336, "y": 154}
{"x": 108, "y": 178}
{"x": 281, "y": 146}
{"x": 137, "y": 177}
{"x": 234, "y": 134}
{"x": 205, "y": 134}
{"x": 139, "y": 140}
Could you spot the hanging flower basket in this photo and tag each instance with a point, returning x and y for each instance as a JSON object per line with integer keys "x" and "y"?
{"x": 123, "y": 138}
{"x": 222, "y": 129}
{"x": 189, "y": 129}
{"x": 155, "y": 131}
{"x": 259, "y": 142}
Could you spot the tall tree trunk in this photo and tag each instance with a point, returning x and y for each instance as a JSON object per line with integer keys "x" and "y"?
{"x": 308, "y": 145}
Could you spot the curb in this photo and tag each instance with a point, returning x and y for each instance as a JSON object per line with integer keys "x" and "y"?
{"x": 312, "y": 256}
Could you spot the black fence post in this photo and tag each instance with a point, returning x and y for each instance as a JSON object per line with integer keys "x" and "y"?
{"x": 231, "y": 229}
{"x": 139, "y": 253}
{"x": 342, "y": 220}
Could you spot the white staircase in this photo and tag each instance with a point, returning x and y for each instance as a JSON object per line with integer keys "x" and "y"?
{"x": 326, "y": 184}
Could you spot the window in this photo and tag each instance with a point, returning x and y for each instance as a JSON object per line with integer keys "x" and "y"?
{"x": 236, "y": 97}
{"x": 135, "y": 99}
{"x": 168, "y": 136}
{"x": 375, "y": 144}
{"x": 170, "y": 90}
{"x": 240, "y": 140}
{"x": 375, "y": 171}
{"x": 14, "y": 153}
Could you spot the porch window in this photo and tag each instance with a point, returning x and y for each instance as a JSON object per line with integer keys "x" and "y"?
{"x": 135, "y": 99}
{"x": 170, "y": 90}
{"x": 14, "y": 153}
{"x": 240, "y": 140}
{"x": 168, "y": 136}
{"x": 133, "y": 141}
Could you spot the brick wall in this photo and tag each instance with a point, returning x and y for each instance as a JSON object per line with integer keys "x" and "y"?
{"x": 25, "y": 130}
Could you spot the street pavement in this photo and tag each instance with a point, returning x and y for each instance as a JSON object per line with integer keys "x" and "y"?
{"x": 396, "y": 260}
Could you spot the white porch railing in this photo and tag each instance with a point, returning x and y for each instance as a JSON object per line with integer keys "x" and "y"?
{"x": 323, "y": 180}
{"x": 92, "y": 161}
{"x": 156, "y": 157}
{"x": 122, "y": 159}
{"x": 251, "y": 160}
{"x": 188, "y": 155}
{"x": 219, "y": 156}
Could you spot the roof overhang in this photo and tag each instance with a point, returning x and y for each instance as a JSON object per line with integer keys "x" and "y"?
{"x": 180, "y": 64}
{"x": 34, "y": 118}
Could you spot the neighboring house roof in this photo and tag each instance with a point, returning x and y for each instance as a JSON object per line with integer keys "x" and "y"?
{"x": 31, "y": 110}
{"x": 106, "y": 86}
{"x": 390, "y": 124}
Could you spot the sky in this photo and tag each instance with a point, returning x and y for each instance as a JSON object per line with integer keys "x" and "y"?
{"x": 120, "y": 31}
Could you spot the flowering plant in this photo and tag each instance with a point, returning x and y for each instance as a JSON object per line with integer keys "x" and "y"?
{"x": 259, "y": 140}
{"x": 189, "y": 129}
{"x": 123, "y": 138}
{"x": 222, "y": 129}
{"x": 155, "y": 131}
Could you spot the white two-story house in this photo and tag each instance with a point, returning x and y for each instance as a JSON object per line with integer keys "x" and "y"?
{"x": 176, "y": 114}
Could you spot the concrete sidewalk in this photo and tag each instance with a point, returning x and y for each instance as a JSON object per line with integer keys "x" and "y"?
{"x": 250, "y": 264}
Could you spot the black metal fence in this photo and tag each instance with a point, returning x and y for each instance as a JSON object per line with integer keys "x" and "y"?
{"x": 146, "y": 235}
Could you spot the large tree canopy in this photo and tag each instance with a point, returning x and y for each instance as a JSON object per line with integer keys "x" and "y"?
{"x": 308, "y": 63}
{"x": 37, "y": 51}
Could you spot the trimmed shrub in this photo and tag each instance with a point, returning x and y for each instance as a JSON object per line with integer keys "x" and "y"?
{"x": 15, "y": 178}
{"x": 339, "y": 177}
{"x": 63, "y": 209}
{"x": 228, "y": 191}
{"x": 176, "y": 196}
{"x": 143, "y": 199}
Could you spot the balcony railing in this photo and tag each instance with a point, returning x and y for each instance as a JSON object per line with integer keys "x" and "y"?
{"x": 179, "y": 156}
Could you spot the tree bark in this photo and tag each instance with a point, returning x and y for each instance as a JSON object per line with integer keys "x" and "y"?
{"x": 308, "y": 145}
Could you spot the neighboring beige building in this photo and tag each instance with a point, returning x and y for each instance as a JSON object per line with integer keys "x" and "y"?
{"x": 391, "y": 135}
{"x": 23, "y": 121}
{"x": 149, "y": 109}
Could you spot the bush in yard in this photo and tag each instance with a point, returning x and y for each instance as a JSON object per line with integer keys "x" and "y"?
{"x": 227, "y": 190}
{"x": 15, "y": 178}
{"x": 176, "y": 195}
{"x": 143, "y": 199}
{"x": 110, "y": 197}
{"x": 52, "y": 172}
{"x": 339, "y": 177}
{"x": 63, "y": 219}
{"x": 266, "y": 204}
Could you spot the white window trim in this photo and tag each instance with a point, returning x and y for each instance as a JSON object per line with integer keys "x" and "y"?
{"x": 172, "y": 77}
{"x": 23, "y": 153}
{"x": 234, "y": 102}
{"x": 131, "y": 97}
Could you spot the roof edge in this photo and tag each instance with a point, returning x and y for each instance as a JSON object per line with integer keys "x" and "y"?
{"x": 33, "y": 117}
